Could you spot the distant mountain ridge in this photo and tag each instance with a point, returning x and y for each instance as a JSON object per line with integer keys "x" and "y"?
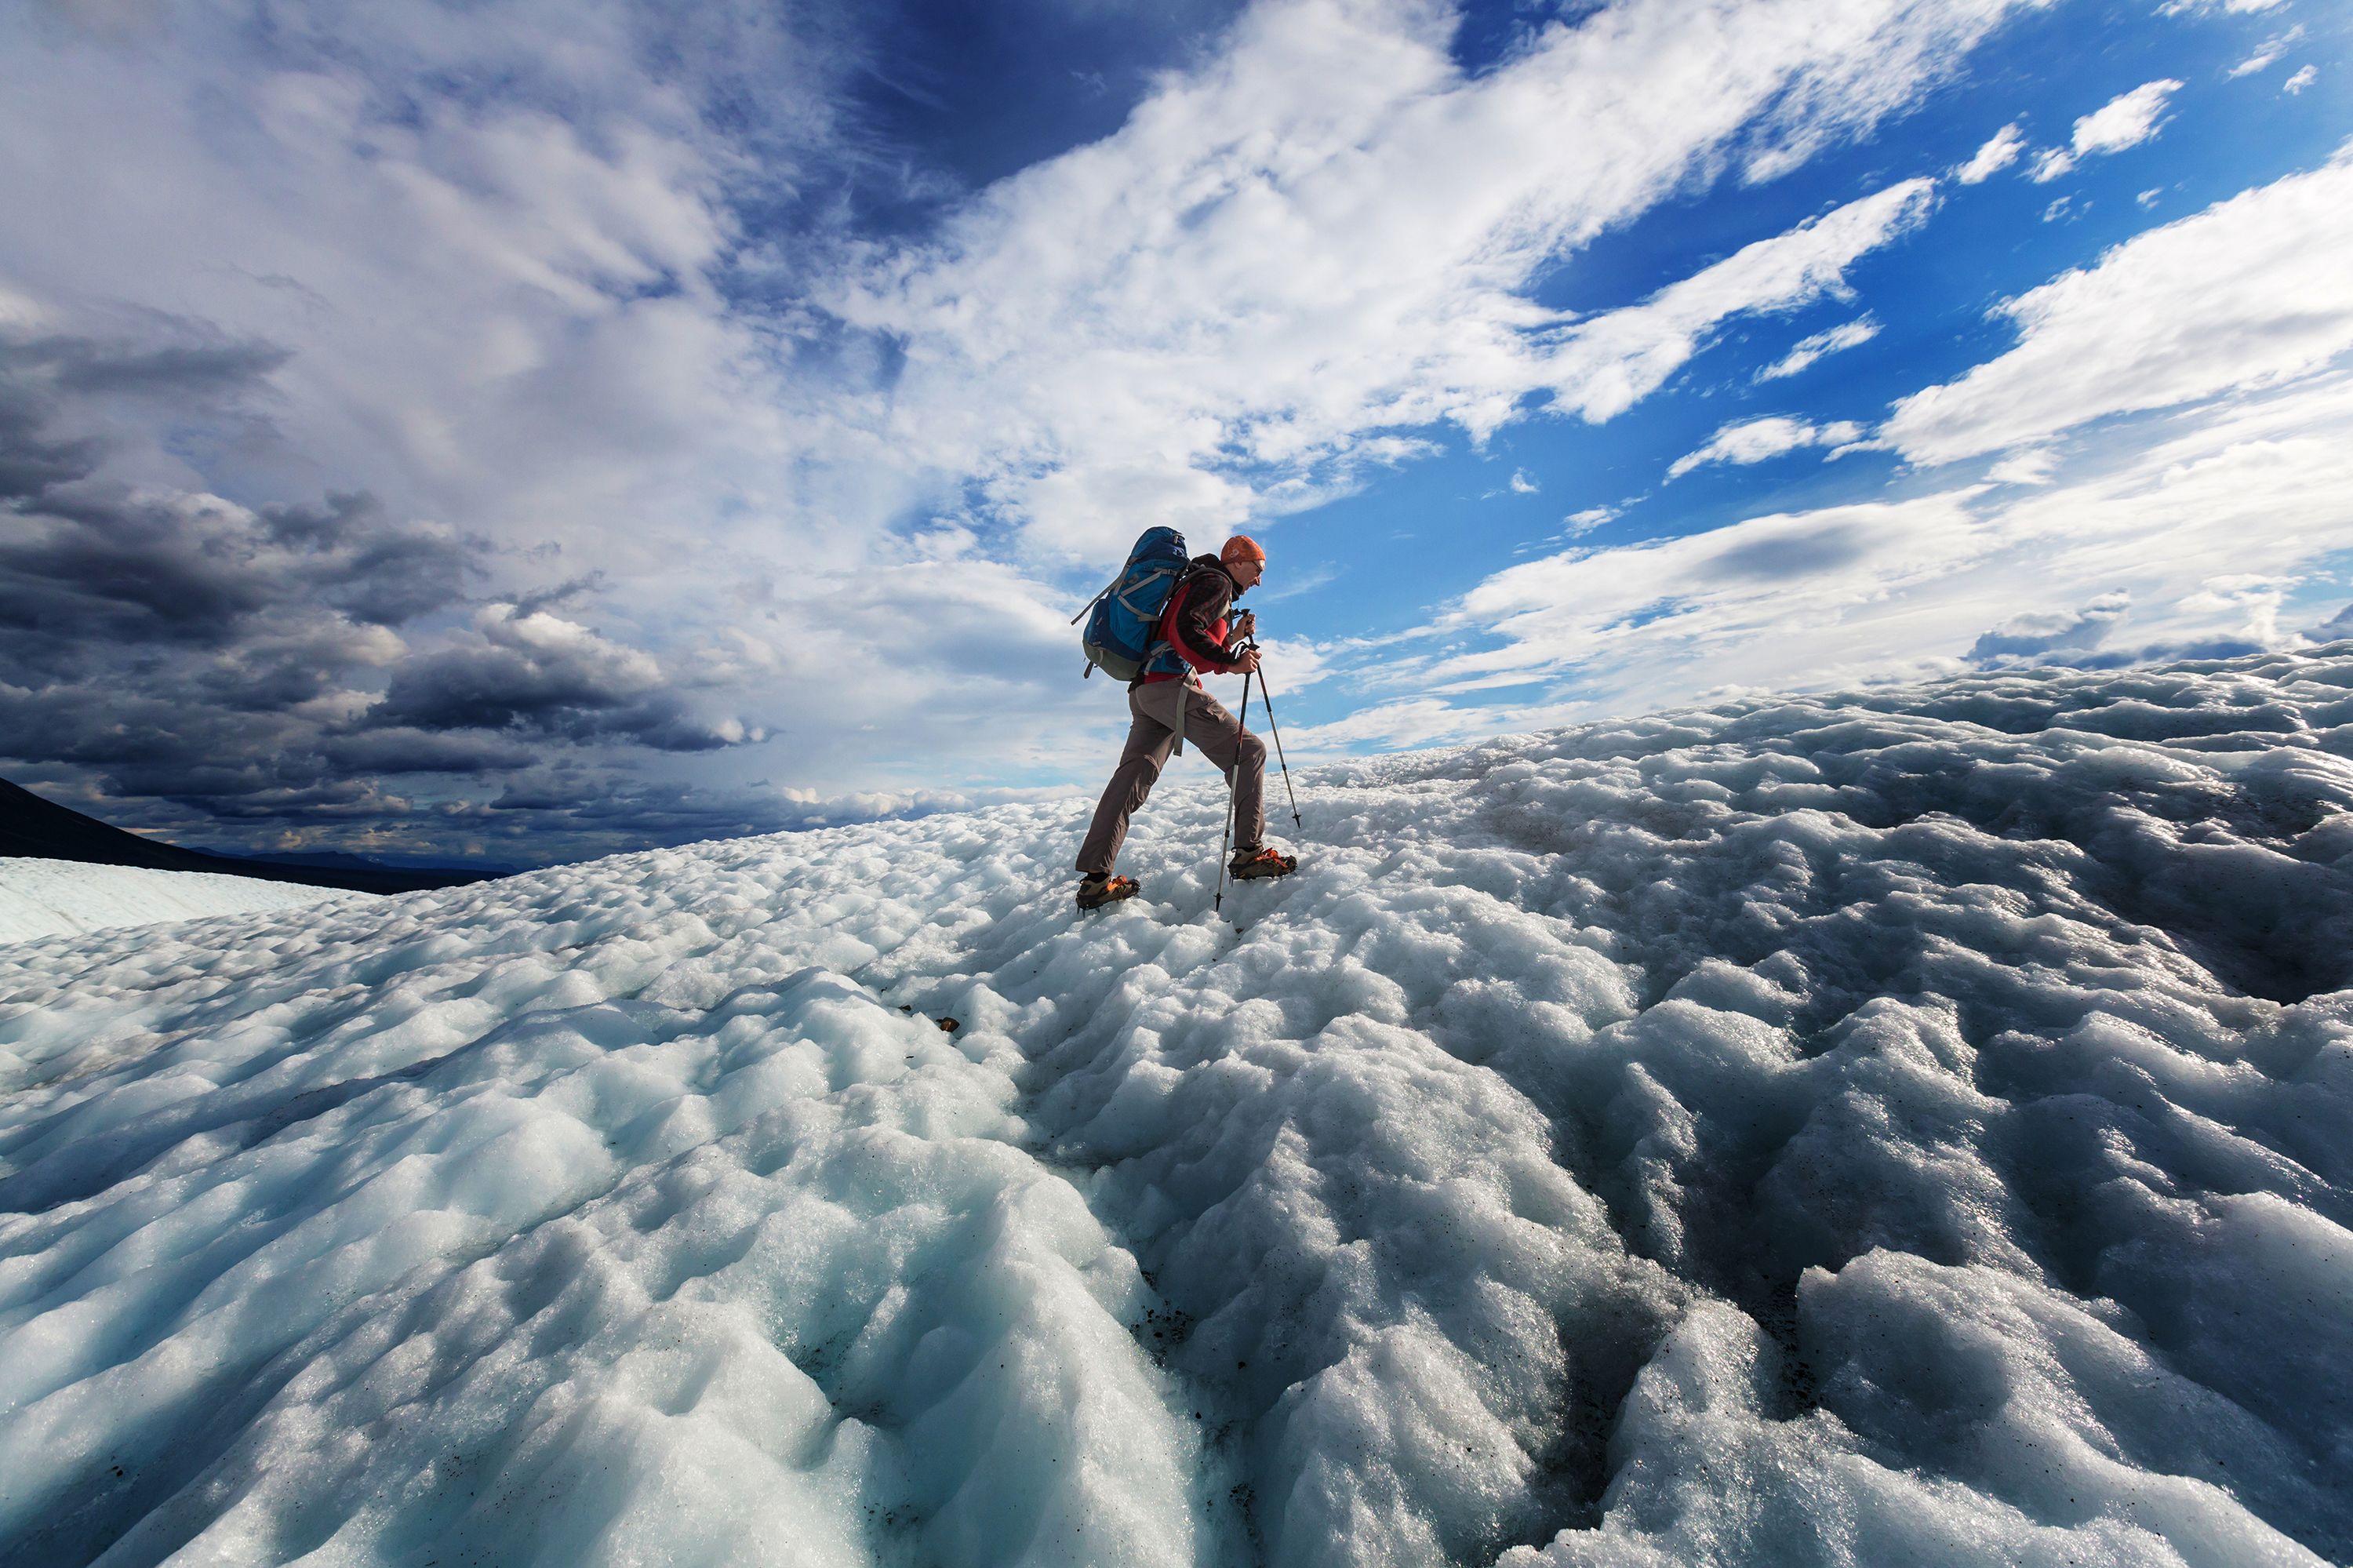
{"x": 34, "y": 828}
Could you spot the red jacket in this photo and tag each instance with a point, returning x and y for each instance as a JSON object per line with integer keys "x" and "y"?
{"x": 1193, "y": 625}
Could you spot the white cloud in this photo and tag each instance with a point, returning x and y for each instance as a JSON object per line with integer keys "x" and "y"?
{"x": 1846, "y": 334}
{"x": 808, "y": 808}
{"x": 1420, "y": 721}
{"x": 2236, "y": 7}
{"x": 2034, "y": 467}
{"x": 2126, "y": 120}
{"x": 2301, "y": 79}
{"x": 538, "y": 635}
{"x": 2036, "y": 635}
{"x": 2148, "y": 198}
{"x": 1997, "y": 154}
{"x": 2175, "y": 542}
{"x": 2250, "y": 292}
{"x": 1575, "y": 526}
{"x": 1755, "y": 440}
{"x": 1627, "y": 616}
{"x": 1288, "y": 583}
{"x": 2268, "y": 56}
{"x": 1603, "y": 366}
{"x": 1330, "y": 230}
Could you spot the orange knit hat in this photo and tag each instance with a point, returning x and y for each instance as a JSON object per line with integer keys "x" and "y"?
{"x": 1241, "y": 548}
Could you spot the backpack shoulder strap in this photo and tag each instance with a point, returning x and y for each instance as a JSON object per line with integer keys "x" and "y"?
{"x": 1176, "y": 601}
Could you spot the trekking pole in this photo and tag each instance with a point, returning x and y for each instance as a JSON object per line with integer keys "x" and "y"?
{"x": 1278, "y": 742}
{"x": 1241, "y": 727}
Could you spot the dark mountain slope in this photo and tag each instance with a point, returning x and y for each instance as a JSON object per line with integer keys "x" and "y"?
{"x": 33, "y": 827}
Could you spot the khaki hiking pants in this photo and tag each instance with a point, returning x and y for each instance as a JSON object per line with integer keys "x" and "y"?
{"x": 1168, "y": 713}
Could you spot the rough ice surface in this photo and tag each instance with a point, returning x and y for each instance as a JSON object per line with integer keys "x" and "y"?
{"x": 45, "y": 897}
{"x": 1914, "y": 1127}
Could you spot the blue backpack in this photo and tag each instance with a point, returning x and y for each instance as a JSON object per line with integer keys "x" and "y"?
{"x": 1123, "y": 620}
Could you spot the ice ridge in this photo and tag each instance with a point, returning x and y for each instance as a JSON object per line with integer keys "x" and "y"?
{"x": 1909, "y": 1126}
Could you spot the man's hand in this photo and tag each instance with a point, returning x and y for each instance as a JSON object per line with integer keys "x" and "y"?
{"x": 1246, "y": 624}
{"x": 1248, "y": 663}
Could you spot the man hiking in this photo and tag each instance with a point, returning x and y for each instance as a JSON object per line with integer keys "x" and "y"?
{"x": 1170, "y": 708}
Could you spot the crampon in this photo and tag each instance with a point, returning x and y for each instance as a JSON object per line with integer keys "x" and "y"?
{"x": 1249, "y": 866}
{"x": 1094, "y": 892}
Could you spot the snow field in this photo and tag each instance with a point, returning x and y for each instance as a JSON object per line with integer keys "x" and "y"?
{"x": 47, "y": 897}
{"x": 1906, "y": 1126}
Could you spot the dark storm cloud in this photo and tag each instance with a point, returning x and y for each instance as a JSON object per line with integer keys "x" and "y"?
{"x": 30, "y": 463}
{"x": 389, "y": 751}
{"x": 109, "y": 571}
{"x": 563, "y": 813}
{"x": 281, "y": 667}
{"x": 349, "y": 799}
{"x": 174, "y": 360}
{"x": 90, "y": 570}
{"x": 118, "y": 727}
{"x": 505, "y": 688}
{"x": 212, "y": 665}
{"x": 635, "y": 811}
{"x": 561, "y": 594}
{"x": 94, "y": 575}
{"x": 534, "y": 673}
{"x": 173, "y": 371}
{"x": 373, "y": 569}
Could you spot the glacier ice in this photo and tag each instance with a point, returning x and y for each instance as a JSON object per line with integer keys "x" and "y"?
{"x": 1910, "y": 1126}
{"x": 45, "y": 897}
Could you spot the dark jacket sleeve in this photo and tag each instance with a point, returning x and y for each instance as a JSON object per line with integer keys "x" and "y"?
{"x": 1209, "y": 595}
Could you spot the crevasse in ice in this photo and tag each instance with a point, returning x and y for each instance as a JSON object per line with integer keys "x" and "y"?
{"x": 1905, "y": 1127}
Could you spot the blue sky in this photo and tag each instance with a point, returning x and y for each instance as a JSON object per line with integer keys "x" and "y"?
{"x": 532, "y": 429}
